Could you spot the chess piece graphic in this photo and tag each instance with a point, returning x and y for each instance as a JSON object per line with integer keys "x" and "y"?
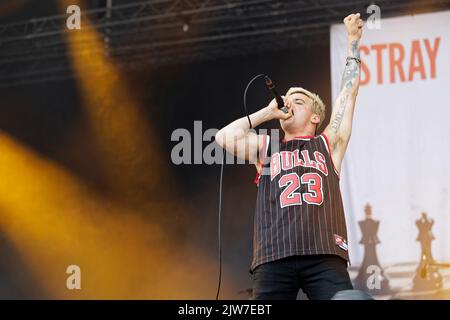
{"x": 427, "y": 275}
{"x": 371, "y": 277}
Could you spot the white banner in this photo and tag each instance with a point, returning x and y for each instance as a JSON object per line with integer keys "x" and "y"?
{"x": 398, "y": 159}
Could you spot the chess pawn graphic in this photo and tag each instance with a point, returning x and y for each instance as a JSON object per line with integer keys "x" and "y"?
{"x": 427, "y": 275}
{"x": 371, "y": 277}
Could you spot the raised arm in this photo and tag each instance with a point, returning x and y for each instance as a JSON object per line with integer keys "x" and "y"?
{"x": 237, "y": 138}
{"x": 340, "y": 127}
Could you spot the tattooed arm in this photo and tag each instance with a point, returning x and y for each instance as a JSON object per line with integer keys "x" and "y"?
{"x": 237, "y": 138}
{"x": 340, "y": 127}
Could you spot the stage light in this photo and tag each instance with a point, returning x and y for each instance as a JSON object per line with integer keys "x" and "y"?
{"x": 128, "y": 149}
{"x": 55, "y": 220}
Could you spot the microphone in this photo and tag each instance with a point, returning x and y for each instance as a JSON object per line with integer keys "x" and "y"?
{"x": 271, "y": 86}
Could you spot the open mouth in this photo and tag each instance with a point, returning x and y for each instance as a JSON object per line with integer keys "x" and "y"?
{"x": 290, "y": 118}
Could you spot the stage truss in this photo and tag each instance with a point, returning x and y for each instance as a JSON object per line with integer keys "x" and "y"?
{"x": 166, "y": 32}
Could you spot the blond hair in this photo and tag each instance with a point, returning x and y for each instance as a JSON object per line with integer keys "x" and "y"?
{"x": 318, "y": 107}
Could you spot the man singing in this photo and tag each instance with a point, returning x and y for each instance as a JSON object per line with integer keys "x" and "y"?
{"x": 300, "y": 236}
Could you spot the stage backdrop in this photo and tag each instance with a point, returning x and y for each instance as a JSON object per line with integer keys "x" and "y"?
{"x": 398, "y": 159}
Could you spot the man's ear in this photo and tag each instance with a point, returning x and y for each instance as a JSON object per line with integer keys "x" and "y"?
{"x": 315, "y": 118}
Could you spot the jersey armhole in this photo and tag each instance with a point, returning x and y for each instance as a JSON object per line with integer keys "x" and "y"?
{"x": 263, "y": 151}
{"x": 327, "y": 146}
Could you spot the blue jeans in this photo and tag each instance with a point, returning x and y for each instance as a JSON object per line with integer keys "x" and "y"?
{"x": 319, "y": 276}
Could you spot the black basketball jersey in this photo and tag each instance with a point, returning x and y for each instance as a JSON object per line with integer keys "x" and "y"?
{"x": 299, "y": 208}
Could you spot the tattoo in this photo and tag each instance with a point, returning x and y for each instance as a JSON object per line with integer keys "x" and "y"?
{"x": 336, "y": 123}
{"x": 352, "y": 68}
{"x": 355, "y": 50}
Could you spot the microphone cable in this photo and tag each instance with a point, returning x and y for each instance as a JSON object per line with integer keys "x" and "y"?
{"x": 219, "y": 280}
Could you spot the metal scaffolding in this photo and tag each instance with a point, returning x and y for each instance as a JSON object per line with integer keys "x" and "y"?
{"x": 160, "y": 32}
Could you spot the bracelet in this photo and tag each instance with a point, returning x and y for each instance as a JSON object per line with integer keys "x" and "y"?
{"x": 354, "y": 58}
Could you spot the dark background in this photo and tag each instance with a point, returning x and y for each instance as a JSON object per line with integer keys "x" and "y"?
{"x": 48, "y": 118}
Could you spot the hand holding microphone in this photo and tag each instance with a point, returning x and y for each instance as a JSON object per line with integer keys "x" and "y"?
{"x": 277, "y": 104}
